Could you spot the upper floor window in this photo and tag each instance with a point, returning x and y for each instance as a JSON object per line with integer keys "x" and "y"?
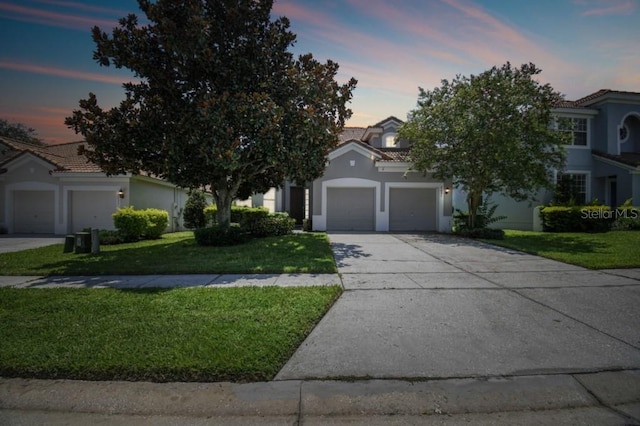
{"x": 577, "y": 127}
{"x": 389, "y": 140}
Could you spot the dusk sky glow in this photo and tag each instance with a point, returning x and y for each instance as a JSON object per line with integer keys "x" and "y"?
{"x": 391, "y": 47}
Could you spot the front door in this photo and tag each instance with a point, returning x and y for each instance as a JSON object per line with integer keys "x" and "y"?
{"x": 296, "y": 204}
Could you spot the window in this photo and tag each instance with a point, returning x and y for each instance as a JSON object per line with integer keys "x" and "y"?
{"x": 577, "y": 127}
{"x": 624, "y": 133}
{"x": 389, "y": 140}
{"x": 571, "y": 187}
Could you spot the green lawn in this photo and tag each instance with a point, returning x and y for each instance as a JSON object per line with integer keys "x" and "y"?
{"x": 179, "y": 254}
{"x": 196, "y": 334}
{"x": 615, "y": 249}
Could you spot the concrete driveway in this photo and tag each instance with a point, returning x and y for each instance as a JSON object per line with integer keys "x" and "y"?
{"x": 13, "y": 242}
{"x": 435, "y": 306}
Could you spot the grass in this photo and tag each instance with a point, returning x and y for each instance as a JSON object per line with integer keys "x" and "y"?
{"x": 615, "y": 249}
{"x": 197, "y": 334}
{"x": 178, "y": 253}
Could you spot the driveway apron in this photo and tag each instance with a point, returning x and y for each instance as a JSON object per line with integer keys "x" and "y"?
{"x": 437, "y": 306}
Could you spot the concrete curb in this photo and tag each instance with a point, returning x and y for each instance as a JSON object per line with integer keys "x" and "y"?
{"x": 610, "y": 397}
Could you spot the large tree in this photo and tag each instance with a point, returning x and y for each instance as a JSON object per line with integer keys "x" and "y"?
{"x": 19, "y": 132}
{"x": 221, "y": 102}
{"x": 489, "y": 133}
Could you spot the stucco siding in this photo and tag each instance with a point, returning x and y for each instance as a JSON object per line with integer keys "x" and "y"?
{"x": 150, "y": 193}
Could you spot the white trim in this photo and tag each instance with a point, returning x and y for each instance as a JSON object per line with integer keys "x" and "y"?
{"x": 587, "y": 196}
{"x": 22, "y": 159}
{"x": 320, "y": 221}
{"x": 353, "y": 146}
{"x": 441, "y": 223}
{"x": 618, "y": 164}
{"x": 32, "y": 186}
{"x": 621, "y": 125}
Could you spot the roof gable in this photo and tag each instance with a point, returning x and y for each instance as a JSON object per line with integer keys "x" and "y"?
{"x": 357, "y": 146}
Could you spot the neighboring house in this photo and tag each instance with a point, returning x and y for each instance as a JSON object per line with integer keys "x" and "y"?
{"x": 603, "y": 159}
{"x": 53, "y": 189}
{"x": 368, "y": 185}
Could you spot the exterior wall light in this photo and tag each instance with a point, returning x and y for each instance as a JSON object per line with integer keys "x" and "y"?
{"x": 121, "y": 193}
{"x": 446, "y": 190}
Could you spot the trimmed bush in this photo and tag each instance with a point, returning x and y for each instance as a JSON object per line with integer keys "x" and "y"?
{"x": 108, "y": 237}
{"x": 484, "y": 233}
{"x": 218, "y": 236}
{"x": 210, "y": 213}
{"x": 251, "y": 219}
{"x": 131, "y": 223}
{"x": 576, "y": 218}
{"x": 194, "y": 215}
{"x": 272, "y": 225}
{"x": 157, "y": 222}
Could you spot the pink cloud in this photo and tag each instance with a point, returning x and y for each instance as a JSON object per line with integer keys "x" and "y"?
{"x": 609, "y": 7}
{"x": 28, "y": 14}
{"x": 50, "y": 128}
{"x": 65, "y": 73}
{"x": 81, "y": 6}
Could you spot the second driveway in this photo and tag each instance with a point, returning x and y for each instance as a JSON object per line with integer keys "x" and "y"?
{"x": 436, "y": 306}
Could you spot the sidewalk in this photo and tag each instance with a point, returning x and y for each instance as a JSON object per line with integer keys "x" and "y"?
{"x": 169, "y": 281}
{"x": 563, "y": 399}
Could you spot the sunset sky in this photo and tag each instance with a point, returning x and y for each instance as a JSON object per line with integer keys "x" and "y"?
{"x": 391, "y": 47}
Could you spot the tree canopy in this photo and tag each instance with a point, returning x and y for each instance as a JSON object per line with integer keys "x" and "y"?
{"x": 488, "y": 133}
{"x": 19, "y": 132}
{"x": 221, "y": 102}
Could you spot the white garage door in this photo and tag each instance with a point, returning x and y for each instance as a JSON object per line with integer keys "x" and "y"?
{"x": 412, "y": 209}
{"x": 92, "y": 209}
{"x": 34, "y": 212}
{"x": 351, "y": 209}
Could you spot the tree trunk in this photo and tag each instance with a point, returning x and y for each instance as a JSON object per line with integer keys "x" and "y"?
{"x": 223, "y": 198}
{"x": 473, "y": 202}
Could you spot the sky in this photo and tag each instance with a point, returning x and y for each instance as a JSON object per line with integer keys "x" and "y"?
{"x": 391, "y": 47}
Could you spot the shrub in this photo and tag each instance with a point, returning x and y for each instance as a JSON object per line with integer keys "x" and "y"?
{"x": 210, "y": 213}
{"x": 157, "y": 222}
{"x": 484, "y": 233}
{"x": 250, "y": 219}
{"x": 108, "y": 237}
{"x": 272, "y": 225}
{"x": 194, "y": 216}
{"x": 627, "y": 217}
{"x": 131, "y": 223}
{"x": 219, "y": 236}
{"x": 576, "y": 218}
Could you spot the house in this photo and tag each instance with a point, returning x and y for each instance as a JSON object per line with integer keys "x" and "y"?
{"x": 368, "y": 185}
{"x": 53, "y": 189}
{"x": 603, "y": 159}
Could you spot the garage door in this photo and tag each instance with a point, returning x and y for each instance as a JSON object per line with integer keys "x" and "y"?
{"x": 351, "y": 209}
{"x": 412, "y": 209}
{"x": 33, "y": 212}
{"x": 92, "y": 209}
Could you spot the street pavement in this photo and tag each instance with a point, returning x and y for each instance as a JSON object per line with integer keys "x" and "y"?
{"x": 431, "y": 329}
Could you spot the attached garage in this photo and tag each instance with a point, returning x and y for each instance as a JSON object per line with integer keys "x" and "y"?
{"x": 412, "y": 209}
{"x": 351, "y": 209}
{"x": 34, "y": 212}
{"x": 92, "y": 209}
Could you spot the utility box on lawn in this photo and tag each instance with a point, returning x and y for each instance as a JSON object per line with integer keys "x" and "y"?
{"x": 83, "y": 242}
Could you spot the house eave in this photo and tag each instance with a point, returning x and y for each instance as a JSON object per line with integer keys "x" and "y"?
{"x": 630, "y": 168}
{"x": 576, "y": 111}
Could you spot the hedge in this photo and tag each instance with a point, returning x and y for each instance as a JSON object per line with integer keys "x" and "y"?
{"x": 218, "y": 236}
{"x": 133, "y": 224}
{"x": 577, "y": 218}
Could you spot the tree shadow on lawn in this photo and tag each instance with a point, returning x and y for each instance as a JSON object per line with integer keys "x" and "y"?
{"x": 184, "y": 256}
{"x": 537, "y": 244}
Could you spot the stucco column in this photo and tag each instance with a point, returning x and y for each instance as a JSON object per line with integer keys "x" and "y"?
{"x": 635, "y": 188}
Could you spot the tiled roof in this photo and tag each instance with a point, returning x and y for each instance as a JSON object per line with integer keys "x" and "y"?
{"x": 395, "y": 154}
{"x": 64, "y": 157}
{"x": 590, "y": 99}
{"x": 628, "y": 158}
{"x": 351, "y": 133}
{"x": 391, "y": 117}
